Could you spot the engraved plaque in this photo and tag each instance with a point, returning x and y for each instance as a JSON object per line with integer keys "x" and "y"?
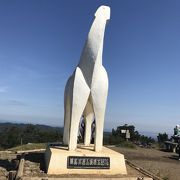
{"x": 88, "y": 162}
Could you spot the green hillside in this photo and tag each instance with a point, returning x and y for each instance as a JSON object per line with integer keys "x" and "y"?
{"x": 14, "y": 134}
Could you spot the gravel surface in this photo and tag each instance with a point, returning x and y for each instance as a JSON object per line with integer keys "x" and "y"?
{"x": 163, "y": 164}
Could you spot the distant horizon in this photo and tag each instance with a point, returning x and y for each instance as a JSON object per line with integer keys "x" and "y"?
{"x": 146, "y": 133}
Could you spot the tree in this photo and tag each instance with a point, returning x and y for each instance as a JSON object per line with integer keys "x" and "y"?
{"x": 12, "y": 136}
{"x": 134, "y": 135}
{"x": 162, "y": 137}
{"x": 119, "y": 135}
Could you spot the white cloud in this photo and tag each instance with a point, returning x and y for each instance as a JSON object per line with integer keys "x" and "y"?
{"x": 16, "y": 103}
{"x": 3, "y": 89}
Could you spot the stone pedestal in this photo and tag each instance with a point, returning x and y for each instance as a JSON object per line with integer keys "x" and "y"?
{"x": 84, "y": 161}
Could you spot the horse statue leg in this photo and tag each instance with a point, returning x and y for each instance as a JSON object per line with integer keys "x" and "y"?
{"x": 80, "y": 95}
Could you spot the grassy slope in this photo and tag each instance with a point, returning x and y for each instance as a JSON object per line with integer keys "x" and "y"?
{"x": 30, "y": 146}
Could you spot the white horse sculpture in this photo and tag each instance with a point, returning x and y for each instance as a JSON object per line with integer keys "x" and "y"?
{"x": 86, "y": 90}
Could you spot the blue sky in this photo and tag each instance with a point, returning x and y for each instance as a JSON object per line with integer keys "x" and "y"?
{"x": 41, "y": 42}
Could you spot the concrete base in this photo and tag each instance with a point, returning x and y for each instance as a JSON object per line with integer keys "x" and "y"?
{"x": 56, "y": 160}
